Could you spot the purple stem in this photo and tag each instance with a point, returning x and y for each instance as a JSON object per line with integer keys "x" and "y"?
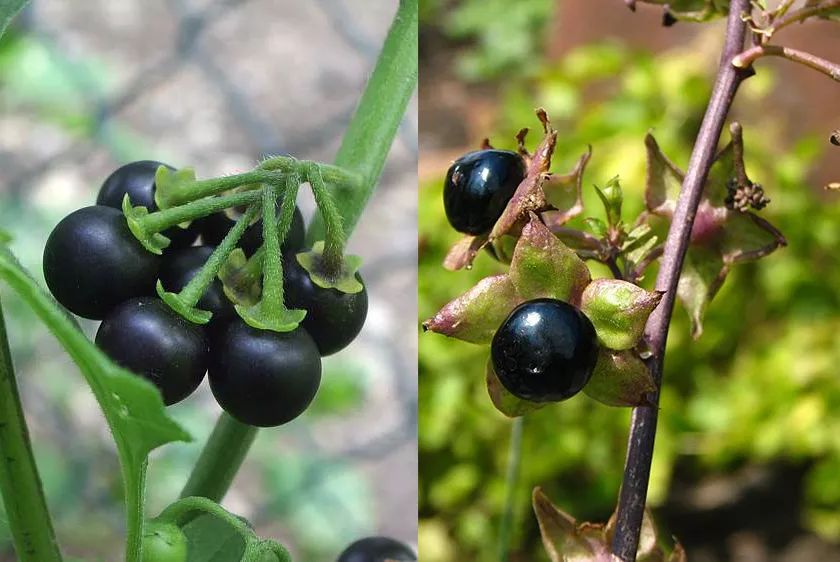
{"x": 631, "y": 503}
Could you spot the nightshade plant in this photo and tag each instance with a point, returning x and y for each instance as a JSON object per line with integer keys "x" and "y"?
{"x": 172, "y": 311}
{"x": 697, "y": 224}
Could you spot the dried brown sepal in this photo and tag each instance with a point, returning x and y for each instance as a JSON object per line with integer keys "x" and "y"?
{"x": 564, "y": 192}
{"x": 529, "y": 195}
{"x": 476, "y": 315}
{"x": 463, "y": 253}
{"x": 485, "y": 144}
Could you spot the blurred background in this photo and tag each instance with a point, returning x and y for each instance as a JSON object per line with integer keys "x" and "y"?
{"x": 214, "y": 84}
{"x": 748, "y": 448}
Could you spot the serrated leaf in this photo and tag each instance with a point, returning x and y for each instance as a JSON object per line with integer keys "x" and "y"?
{"x": 476, "y": 315}
{"x": 618, "y": 310}
{"x": 542, "y": 266}
{"x": 620, "y": 379}
{"x": 8, "y": 10}
{"x": 702, "y": 275}
{"x": 132, "y": 406}
{"x": 508, "y": 404}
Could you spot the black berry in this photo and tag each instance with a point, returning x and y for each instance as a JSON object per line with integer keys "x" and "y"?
{"x": 478, "y": 187}
{"x": 137, "y": 179}
{"x": 261, "y": 377}
{"x": 333, "y": 318}
{"x": 180, "y": 266}
{"x": 377, "y": 549}
{"x": 214, "y": 227}
{"x": 92, "y": 262}
{"x": 147, "y": 337}
{"x": 545, "y": 351}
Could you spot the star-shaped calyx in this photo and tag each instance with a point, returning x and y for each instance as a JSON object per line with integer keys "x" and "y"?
{"x": 725, "y": 232}
{"x": 556, "y": 197}
{"x": 543, "y": 267}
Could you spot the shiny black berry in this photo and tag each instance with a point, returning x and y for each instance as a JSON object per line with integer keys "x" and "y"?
{"x": 377, "y": 549}
{"x": 333, "y": 318}
{"x": 137, "y": 179}
{"x": 180, "y": 266}
{"x": 545, "y": 351}
{"x": 92, "y": 262}
{"x": 478, "y": 187}
{"x": 214, "y": 227}
{"x": 147, "y": 337}
{"x": 261, "y": 377}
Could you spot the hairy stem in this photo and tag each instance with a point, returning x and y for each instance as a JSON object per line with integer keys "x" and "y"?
{"x": 821, "y": 65}
{"x": 199, "y": 189}
{"x": 631, "y": 503}
{"x": 511, "y": 480}
{"x": 23, "y": 497}
{"x": 371, "y": 132}
{"x": 220, "y": 459}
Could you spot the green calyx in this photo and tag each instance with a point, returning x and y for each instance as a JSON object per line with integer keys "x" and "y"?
{"x": 343, "y": 280}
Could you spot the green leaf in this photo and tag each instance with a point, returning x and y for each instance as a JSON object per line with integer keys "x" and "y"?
{"x": 132, "y": 406}
{"x": 476, "y": 315}
{"x": 216, "y": 535}
{"x": 543, "y": 266}
{"x": 508, "y": 404}
{"x": 612, "y": 198}
{"x": 620, "y": 379}
{"x": 8, "y": 10}
{"x": 618, "y": 310}
{"x": 703, "y": 273}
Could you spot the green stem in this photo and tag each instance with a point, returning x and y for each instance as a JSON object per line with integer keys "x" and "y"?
{"x": 511, "y": 480}
{"x": 199, "y": 189}
{"x": 273, "y": 236}
{"x": 220, "y": 459}
{"x": 333, "y": 175}
{"x": 195, "y": 289}
{"x": 23, "y": 497}
{"x": 371, "y": 132}
{"x": 363, "y": 151}
{"x": 167, "y": 218}
{"x": 334, "y": 235}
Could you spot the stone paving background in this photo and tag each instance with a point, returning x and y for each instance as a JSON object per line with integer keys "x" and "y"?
{"x": 215, "y": 84}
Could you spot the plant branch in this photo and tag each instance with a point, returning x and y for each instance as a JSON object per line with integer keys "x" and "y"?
{"x": 23, "y": 496}
{"x": 371, "y": 132}
{"x": 748, "y": 57}
{"x": 220, "y": 459}
{"x": 804, "y": 13}
{"x": 634, "y": 486}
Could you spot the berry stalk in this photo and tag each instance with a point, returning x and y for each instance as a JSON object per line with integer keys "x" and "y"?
{"x": 189, "y": 191}
{"x": 632, "y": 497}
{"x": 23, "y": 496}
{"x": 185, "y": 301}
{"x": 220, "y": 459}
{"x": 334, "y": 231}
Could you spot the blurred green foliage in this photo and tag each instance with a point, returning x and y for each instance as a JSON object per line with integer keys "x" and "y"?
{"x": 505, "y": 37}
{"x": 760, "y": 385}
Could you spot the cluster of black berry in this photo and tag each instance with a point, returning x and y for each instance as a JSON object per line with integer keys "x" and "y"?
{"x": 546, "y": 349}
{"x": 96, "y": 268}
